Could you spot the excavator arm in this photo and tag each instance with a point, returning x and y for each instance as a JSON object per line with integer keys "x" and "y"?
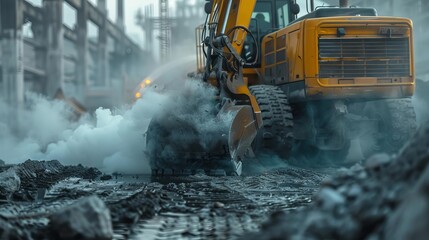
{"x": 224, "y": 37}
{"x": 227, "y": 26}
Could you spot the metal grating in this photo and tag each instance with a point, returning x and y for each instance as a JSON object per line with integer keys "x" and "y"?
{"x": 364, "y": 57}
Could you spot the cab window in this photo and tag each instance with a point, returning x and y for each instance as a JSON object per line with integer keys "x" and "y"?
{"x": 282, "y": 14}
{"x": 262, "y": 18}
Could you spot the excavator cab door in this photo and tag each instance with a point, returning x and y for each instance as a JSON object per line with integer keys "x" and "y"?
{"x": 267, "y": 17}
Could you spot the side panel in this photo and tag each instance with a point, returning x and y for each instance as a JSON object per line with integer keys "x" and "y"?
{"x": 268, "y": 64}
{"x": 296, "y": 54}
{"x": 282, "y": 56}
{"x": 283, "y": 60}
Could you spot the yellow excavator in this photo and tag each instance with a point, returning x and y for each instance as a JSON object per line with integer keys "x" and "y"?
{"x": 290, "y": 85}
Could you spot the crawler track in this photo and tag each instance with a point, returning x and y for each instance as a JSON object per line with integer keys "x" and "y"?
{"x": 276, "y": 135}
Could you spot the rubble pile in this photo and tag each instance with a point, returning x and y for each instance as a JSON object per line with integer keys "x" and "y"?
{"x": 387, "y": 198}
{"x": 25, "y": 180}
{"x": 9, "y": 183}
{"x": 143, "y": 204}
{"x": 88, "y": 218}
{"x": 75, "y": 217}
{"x": 46, "y": 173}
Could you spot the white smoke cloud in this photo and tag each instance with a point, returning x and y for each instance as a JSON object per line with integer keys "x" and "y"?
{"x": 109, "y": 140}
{"x": 421, "y": 101}
{"x": 25, "y": 133}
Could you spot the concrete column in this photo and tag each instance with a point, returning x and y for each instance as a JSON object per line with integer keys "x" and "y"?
{"x": 120, "y": 68}
{"x": 119, "y": 44}
{"x": 103, "y": 60}
{"x": 102, "y": 6}
{"x": 148, "y": 27}
{"x": 82, "y": 48}
{"x": 120, "y": 19}
{"x": 12, "y": 90}
{"x": 54, "y": 42}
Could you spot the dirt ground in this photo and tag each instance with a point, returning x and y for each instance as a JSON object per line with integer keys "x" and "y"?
{"x": 197, "y": 207}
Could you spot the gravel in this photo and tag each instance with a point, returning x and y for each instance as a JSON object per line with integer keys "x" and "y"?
{"x": 87, "y": 219}
{"x": 37, "y": 176}
{"x": 387, "y": 198}
{"x": 9, "y": 183}
{"x": 410, "y": 220}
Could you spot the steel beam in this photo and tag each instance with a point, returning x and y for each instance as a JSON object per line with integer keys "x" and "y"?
{"x": 95, "y": 14}
{"x": 75, "y": 3}
{"x": 102, "y": 6}
{"x": 32, "y": 13}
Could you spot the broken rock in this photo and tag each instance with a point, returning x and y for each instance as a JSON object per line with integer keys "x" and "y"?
{"x": 87, "y": 219}
{"x": 410, "y": 220}
{"x": 106, "y": 177}
{"x": 7, "y": 231}
{"x": 377, "y": 161}
{"x": 9, "y": 183}
{"x": 329, "y": 199}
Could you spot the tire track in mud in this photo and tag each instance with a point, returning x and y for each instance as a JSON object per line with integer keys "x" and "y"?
{"x": 194, "y": 207}
{"x": 227, "y": 207}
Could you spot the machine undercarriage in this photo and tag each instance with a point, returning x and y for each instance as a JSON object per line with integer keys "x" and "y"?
{"x": 307, "y": 87}
{"x": 317, "y": 131}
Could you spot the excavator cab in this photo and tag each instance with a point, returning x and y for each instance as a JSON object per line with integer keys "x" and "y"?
{"x": 268, "y": 16}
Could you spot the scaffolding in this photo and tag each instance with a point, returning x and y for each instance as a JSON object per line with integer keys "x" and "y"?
{"x": 178, "y": 28}
{"x": 165, "y": 30}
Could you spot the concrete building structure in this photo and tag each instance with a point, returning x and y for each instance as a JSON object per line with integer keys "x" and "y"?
{"x": 69, "y": 46}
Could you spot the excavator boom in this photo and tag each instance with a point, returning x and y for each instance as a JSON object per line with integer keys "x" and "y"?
{"x": 228, "y": 14}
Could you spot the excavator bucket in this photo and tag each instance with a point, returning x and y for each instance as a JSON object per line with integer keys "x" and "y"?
{"x": 242, "y": 132}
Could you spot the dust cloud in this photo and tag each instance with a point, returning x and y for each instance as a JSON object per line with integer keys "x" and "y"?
{"x": 111, "y": 140}
{"x": 421, "y": 101}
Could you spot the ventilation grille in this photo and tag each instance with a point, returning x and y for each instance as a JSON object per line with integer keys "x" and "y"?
{"x": 364, "y": 57}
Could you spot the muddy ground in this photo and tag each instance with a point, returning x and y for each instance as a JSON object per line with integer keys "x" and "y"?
{"x": 197, "y": 207}
{"x": 384, "y": 197}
